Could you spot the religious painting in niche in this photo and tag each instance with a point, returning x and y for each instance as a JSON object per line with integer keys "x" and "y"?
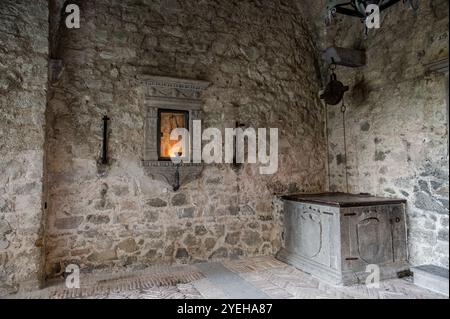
{"x": 168, "y": 120}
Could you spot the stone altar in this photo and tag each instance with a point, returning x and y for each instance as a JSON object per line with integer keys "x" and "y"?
{"x": 335, "y": 236}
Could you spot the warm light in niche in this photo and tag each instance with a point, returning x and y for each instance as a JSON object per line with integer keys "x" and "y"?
{"x": 168, "y": 121}
{"x": 176, "y": 151}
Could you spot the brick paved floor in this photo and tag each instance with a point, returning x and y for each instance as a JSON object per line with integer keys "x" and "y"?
{"x": 260, "y": 277}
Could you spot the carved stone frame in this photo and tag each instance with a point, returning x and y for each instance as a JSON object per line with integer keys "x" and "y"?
{"x": 170, "y": 94}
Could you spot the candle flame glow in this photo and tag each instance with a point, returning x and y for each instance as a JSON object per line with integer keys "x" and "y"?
{"x": 176, "y": 151}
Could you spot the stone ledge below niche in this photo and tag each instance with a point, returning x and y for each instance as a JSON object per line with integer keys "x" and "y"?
{"x": 165, "y": 171}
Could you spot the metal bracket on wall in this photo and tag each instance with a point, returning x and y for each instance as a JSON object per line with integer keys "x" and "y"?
{"x": 105, "y": 140}
{"x": 345, "y": 57}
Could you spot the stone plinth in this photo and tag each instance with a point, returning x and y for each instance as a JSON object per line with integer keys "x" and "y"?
{"x": 335, "y": 237}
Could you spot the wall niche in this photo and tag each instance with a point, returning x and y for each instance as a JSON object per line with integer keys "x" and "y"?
{"x": 170, "y": 103}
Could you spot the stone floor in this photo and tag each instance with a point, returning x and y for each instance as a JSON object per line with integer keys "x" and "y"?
{"x": 251, "y": 278}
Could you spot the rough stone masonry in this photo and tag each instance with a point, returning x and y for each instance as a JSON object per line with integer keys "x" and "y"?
{"x": 59, "y": 205}
{"x": 23, "y": 88}
{"x": 259, "y": 59}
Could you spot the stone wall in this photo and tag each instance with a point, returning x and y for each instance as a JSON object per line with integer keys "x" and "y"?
{"x": 23, "y": 80}
{"x": 396, "y": 119}
{"x": 260, "y": 61}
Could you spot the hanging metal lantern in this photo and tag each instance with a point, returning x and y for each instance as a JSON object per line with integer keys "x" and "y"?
{"x": 334, "y": 91}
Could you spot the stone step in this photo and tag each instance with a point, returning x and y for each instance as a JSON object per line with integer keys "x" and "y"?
{"x": 431, "y": 277}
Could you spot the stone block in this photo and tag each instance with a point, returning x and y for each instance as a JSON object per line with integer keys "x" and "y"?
{"x": 443, "y": 235}
{"x": 128, "y": 245}
{"x": 179, "y": 200}
{"x": 432, "y": 277}
{"x": 98, "y": 219}
{"x": 427, "y": 202}
{"x": 68, "y": 222}
{"x": 174, "y": 232}
{"x": 103, "y": 256}
{"x": 251, "y": 238}
{"x": 157, "y": 202}
{"x": 233, "y": 238}
{"x": 187, "y": 212}
{"x": 200, "y": 230}
{"x": 182, "y": 253}
{"x": 151, "y": 216}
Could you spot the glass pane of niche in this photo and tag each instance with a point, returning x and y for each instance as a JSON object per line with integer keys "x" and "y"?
{"x": 168, "y": 120}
